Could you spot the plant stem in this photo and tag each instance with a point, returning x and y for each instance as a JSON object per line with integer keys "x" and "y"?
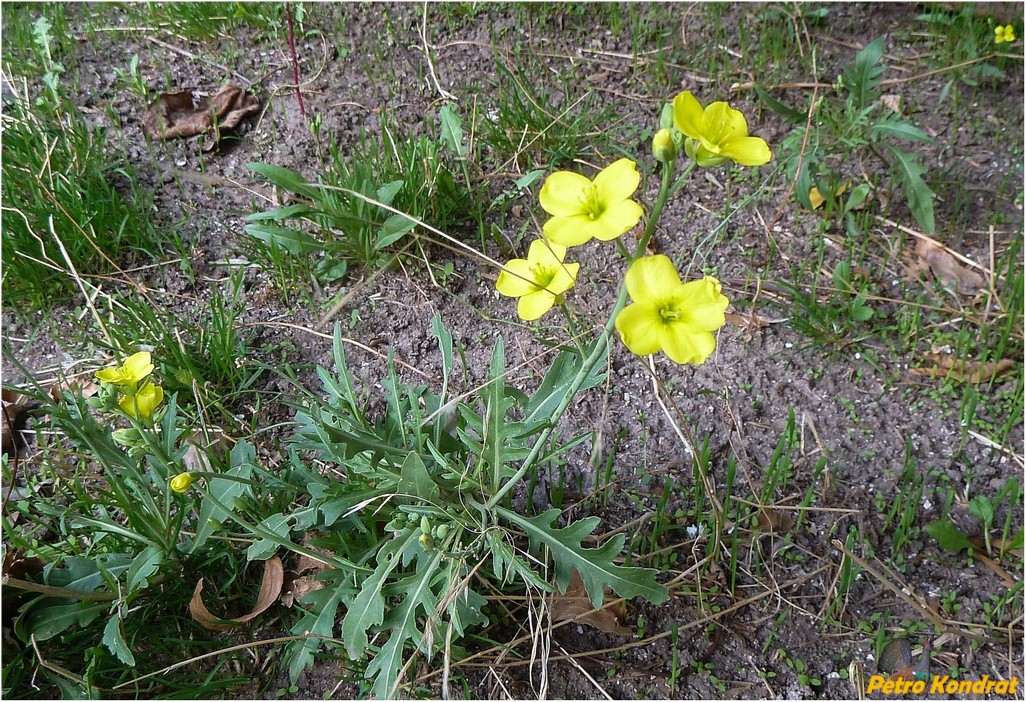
{"x": 295, "y": 61}
{"x": 600, "y": 352}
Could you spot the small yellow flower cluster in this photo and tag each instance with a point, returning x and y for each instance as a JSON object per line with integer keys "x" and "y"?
{"x": 666, "y": 314}
{"x": 1003, "y": 34}
{"x": 137, "y": 402}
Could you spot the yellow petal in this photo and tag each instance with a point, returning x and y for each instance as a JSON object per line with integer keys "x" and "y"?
{"x": 138, "y": 366}
{"x": 702, "y": 305}
{"x": 548, "y": 253}
{"x": 570, "y": 231}
{"x": 111, "y": 375}
{"x": 686, "y": 347}
{"x": 652, "y": 279}
{"x": 534, "y": 305}
{"x": 617, "y": 220}
{"x": 142, "y": 405}
{"x": 517, "y": 280}
{"x": 565, "y": 278}
{"x": 640, "y": 328}
{"x": 723, "y": 123}
{"x": 564, "y": 193}
{"x": 617, "y": 182}
{"x": 747, "y": 151}
{"x": 687, "y": 114}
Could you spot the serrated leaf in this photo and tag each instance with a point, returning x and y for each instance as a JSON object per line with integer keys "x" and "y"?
{"x": 919, "y": 195}
{"x": 47, "y": 621}
{"x": 114, "y": 640}
{"x": 242, "y": 457}
{"x": 898, "y": 128}
{"x": 452, "y": 130}
{"x": 418, "y": 600}
{"x": 465, "y": 606}
{"x": 262, "y": 549}
{"x": 368, "y": 609}
{"x": 948, "y": 536}
{"x": 292, "y": 240}
{"x": 495, "y": 439}
{"x": 415, "y": 479}
{"x": 320, "y": 622}
{"x": 595, "y": 565}
{"x": 143, "y": 566}
{"x": 556, "y": 384}
{"x": 864, "y": 76}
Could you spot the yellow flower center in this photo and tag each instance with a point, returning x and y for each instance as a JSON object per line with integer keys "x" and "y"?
{"x": 542, "y": 275}
{"x": 591, "y": 205}
{"x": 669, "y": 312}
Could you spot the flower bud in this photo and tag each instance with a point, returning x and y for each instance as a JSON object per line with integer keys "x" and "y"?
{"x": 663, "y": 148}
{"x": 666, "y": 116}
{"x": 183, "y": 481}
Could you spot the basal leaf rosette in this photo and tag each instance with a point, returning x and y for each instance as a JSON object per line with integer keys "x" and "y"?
{"x": 670, "y": 316}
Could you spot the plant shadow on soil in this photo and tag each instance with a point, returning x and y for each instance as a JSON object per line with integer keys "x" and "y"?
{"x": 856, "y": 406}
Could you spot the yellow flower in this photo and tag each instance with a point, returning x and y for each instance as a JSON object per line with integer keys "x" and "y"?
{"x": 663, "y": 147}
{"x": 183, "y": 481}
{"x": 141, "y": 404}
{"x": 676, "y": 318}
{"x": 1002, "y": 34}
{"x": 717, "y": 134}
{"x": 135, "y": 368}
{"x": 539, "y": 279}
{"x": 583, "y": 209}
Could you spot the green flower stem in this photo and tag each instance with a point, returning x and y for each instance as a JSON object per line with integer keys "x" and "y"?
{"x": 575, "y": 335}
{"x": 224, "y": 476}
{"x": 600, "y": 352}
{"x": 157, "y": 452}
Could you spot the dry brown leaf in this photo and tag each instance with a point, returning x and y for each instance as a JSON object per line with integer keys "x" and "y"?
{"x": 749, "y": 321}
{"x": 270, "y": 588}
{"x": 14, "y": 406}
{"x": 946, "y": 268}
{"x": 302, "y": 579}
{"x": 17, "y": 566}
{"x": 892, "y": 102}
{"x": 186, "y": 114}
{"x": 85, "y": 388}
{"x": 965, "y": 371}
{"x": 576, "y": 605}
{"x": 775, "y": 521}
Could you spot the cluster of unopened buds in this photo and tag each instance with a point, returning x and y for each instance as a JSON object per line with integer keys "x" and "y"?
{"x": 665, "y": 314}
